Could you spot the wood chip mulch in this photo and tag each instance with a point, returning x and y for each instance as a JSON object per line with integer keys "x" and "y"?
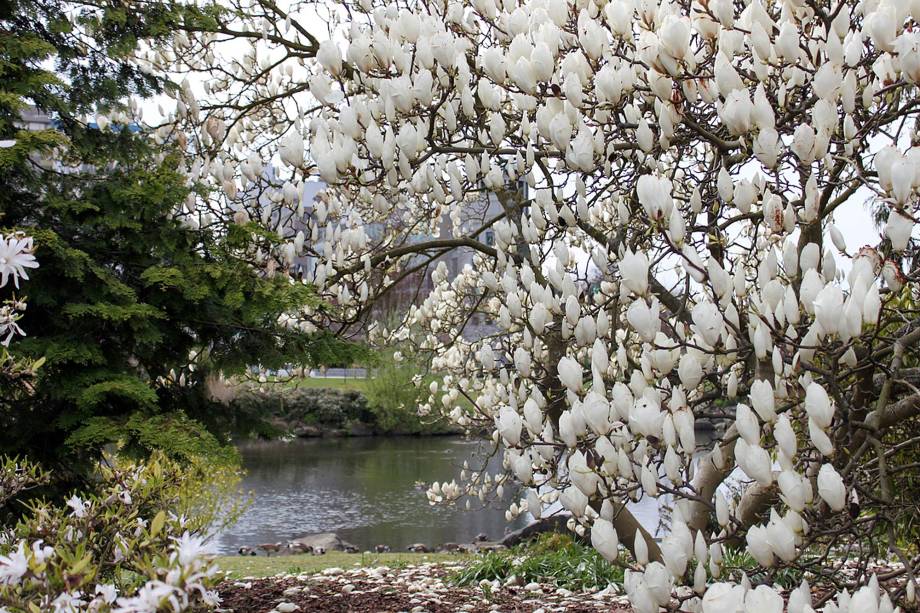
{"x": 413, "y": 589}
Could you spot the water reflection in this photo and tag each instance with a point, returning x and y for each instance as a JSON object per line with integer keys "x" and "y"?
{"x": 364, "y": 489}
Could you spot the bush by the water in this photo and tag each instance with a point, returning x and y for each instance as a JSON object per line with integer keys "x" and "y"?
{"x": 551, "y": 558}
{"x": 395, "y": 393}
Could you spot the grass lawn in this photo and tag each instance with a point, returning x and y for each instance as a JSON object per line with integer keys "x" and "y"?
{"x": 237, "y": 567}
{"x": 358, "y": 385}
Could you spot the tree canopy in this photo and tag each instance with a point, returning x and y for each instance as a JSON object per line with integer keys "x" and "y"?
{"x": 132, "y": 309}
{"x": 673, "y": 258}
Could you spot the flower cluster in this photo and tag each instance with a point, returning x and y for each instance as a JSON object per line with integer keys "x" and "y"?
{"x": 103, "y": 552}
{"x": 10, "y": 313}
{"x": 15, "y": 257}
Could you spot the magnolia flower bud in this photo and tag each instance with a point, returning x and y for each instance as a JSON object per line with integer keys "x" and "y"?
{"x": 597, "y": 413}
{"x": 573, "y": 500}
{"x": 604, "y": 539}
{"x": 723, "y": 598}
{"x": 640, "y": 548}
{"x": 800, "y": 599}
{"x": 722, "y": 514}
{"x": 699, "y": 578}
{"x": 828, "y": 305}
{"x": 881, "y": 27}
{"x": 787, "y": 43}
{"x": 767, "y": 147}
{"x": 690, "y": 371}
{"x": 763, "y": 599}
{"x": 792, "y": 489}
{"x": 533, "y": 416}
{"x": 758, "y": 544}
{"x": 820, "y": 439}
{"x": 645, "y": 418}
{"x": 785, "y": 436}
{"x": 872, "y": 305}
{"x": 509, "y": 426}
{"x": 747, "y": 425}
{"x": 737, "y": 111}
{"x": 754, "y": 461}
{"x": 818, "y": 405}
{"x": 898, "y": 229}
{"x": 708, "y": 322}
{"x": 831, "y": 488}
{"x": 659, "y": 583}
{"x": 654, "y": 194}
{"x": 329, "y": 57}
{"x": 644, "y": 319}
{"x": 837, "y": 238}
{"x": 291, "y": 149}
{"x": 674, "y": 34}
{"x": 762, "y": 400}
{"x": 570, "y": 373}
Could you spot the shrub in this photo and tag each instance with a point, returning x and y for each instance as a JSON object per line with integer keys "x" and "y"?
{"x": 551, "y": 558}
{"x": 396, "y": 391}
{"x": 135, "y": 543}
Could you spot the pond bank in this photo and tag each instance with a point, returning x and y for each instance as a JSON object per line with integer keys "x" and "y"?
{"x": 310, "y": 410}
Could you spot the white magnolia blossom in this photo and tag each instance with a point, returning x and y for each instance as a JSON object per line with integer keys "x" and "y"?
{"x": 644, "y": 193}
{"x": 15, "y": 257}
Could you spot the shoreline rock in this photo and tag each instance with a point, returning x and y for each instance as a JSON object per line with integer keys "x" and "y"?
{"x": 555, "y": 523}
{"x": 356, "y": 430}
{"x": 329, "y": 541}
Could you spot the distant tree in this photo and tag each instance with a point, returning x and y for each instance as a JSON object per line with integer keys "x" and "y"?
{"x": 133, "y": 310}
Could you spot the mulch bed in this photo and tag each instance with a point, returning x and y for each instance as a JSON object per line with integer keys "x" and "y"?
{"x": 412, "y": 589}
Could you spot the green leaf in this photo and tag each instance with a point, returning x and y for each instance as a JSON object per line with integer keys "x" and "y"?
{"x": 157, "y": 524}
{"x": 82, "y": 564}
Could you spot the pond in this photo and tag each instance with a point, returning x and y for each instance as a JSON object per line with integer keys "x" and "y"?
{"x": 367, "y": 490}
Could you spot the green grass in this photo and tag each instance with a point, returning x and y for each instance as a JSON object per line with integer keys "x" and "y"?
{"x": 238, "y": 567}
{"x": 735, "y": 561}
{"x": 358, "y": 385}
{"x": 552, "y": 558}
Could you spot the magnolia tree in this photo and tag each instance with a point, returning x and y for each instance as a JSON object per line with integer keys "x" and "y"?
{"x": 673, "y": 258}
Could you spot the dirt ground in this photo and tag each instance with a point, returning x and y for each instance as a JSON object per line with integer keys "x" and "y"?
{"x": 411, "y": 588}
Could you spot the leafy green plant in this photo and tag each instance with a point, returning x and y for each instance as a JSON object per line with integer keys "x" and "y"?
{"x": 260, "y": 412}
{"x": 394, "y": 393}
{"x": 739, "y": 561}
{"x": 552, "y": 558}
{"x": 138, "y": 537}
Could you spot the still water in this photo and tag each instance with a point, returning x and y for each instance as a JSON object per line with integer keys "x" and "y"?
{"x": 367, "y": 490}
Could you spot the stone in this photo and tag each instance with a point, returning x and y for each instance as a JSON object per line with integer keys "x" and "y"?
{"x": 307, "y": 431}
{"x": 326, "y": 541}
{"x": 555, "y": 523}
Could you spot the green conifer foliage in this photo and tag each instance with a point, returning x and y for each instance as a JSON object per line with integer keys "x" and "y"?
{"x": 131, "y": 310}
